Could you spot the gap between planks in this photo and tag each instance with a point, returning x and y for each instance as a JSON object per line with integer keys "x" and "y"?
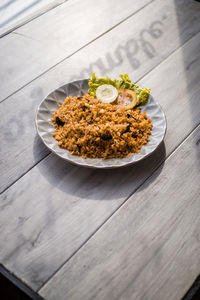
{"x": 176, "y": 49}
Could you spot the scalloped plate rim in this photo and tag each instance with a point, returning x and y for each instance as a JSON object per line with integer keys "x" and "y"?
{"x": 89, "y": 164}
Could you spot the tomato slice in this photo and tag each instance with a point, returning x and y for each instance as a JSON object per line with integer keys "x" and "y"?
{"x": 127, "y": 98}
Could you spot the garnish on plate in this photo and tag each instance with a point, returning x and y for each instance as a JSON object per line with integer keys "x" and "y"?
{"x": 127, "y": 98}
{"x": 107, "y": 93}
{"x": 134, "y": 95}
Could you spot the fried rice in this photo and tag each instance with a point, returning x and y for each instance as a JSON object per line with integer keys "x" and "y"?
{"x": 90, "y": 128}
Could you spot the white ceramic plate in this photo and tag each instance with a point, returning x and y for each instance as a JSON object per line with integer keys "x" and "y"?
{"x": 45, "y": 128}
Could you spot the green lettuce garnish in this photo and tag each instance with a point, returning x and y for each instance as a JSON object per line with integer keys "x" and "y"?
{"x": 123, "y": 83}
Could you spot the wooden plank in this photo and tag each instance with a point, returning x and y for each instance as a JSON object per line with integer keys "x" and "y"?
{"x": 51, "y": 211}
{"x": 19, "y": 155}
{"x": 15, "y": 14}
{"x": 150, "y": 249}
{"x": 26, "y": 291}
{"x": 48, "y": 39}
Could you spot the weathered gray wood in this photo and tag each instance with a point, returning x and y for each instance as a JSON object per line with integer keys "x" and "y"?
{"x": 45, "y": 41}
{"x": 150, "y": 249}
{"x": 51, "y": 211}
{"x": 19, "y": 155}
{"x": 18, "y": 13}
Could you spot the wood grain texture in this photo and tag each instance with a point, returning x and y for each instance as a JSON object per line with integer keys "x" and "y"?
{"x": 107, "y": 55}
{"x": 45, "y": 41}
{"x": 14, "y": 15}
{"x": 150, "y": 249}
{"x": 50, "y": 212}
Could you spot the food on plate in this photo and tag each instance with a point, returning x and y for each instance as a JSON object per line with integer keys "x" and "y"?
{"x": 123, "y": 83}
{"x": 107, "y": 93}
{"x": 88, "y": 127}
{"x": 127, "y": 98}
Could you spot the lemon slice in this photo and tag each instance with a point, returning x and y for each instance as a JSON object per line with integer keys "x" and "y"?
{"x": 107, "y": 93}
{"x": 127, "y": 98}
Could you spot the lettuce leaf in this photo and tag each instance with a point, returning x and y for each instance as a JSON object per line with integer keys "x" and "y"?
{"x": 95, "y": 82}
{"x": 123, "y": 83}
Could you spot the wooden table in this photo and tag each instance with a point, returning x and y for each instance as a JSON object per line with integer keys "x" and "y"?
{"x": 68, "y": 232}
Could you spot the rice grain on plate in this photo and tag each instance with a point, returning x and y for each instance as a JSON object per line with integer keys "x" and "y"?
{"x": 89, "y": 128}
